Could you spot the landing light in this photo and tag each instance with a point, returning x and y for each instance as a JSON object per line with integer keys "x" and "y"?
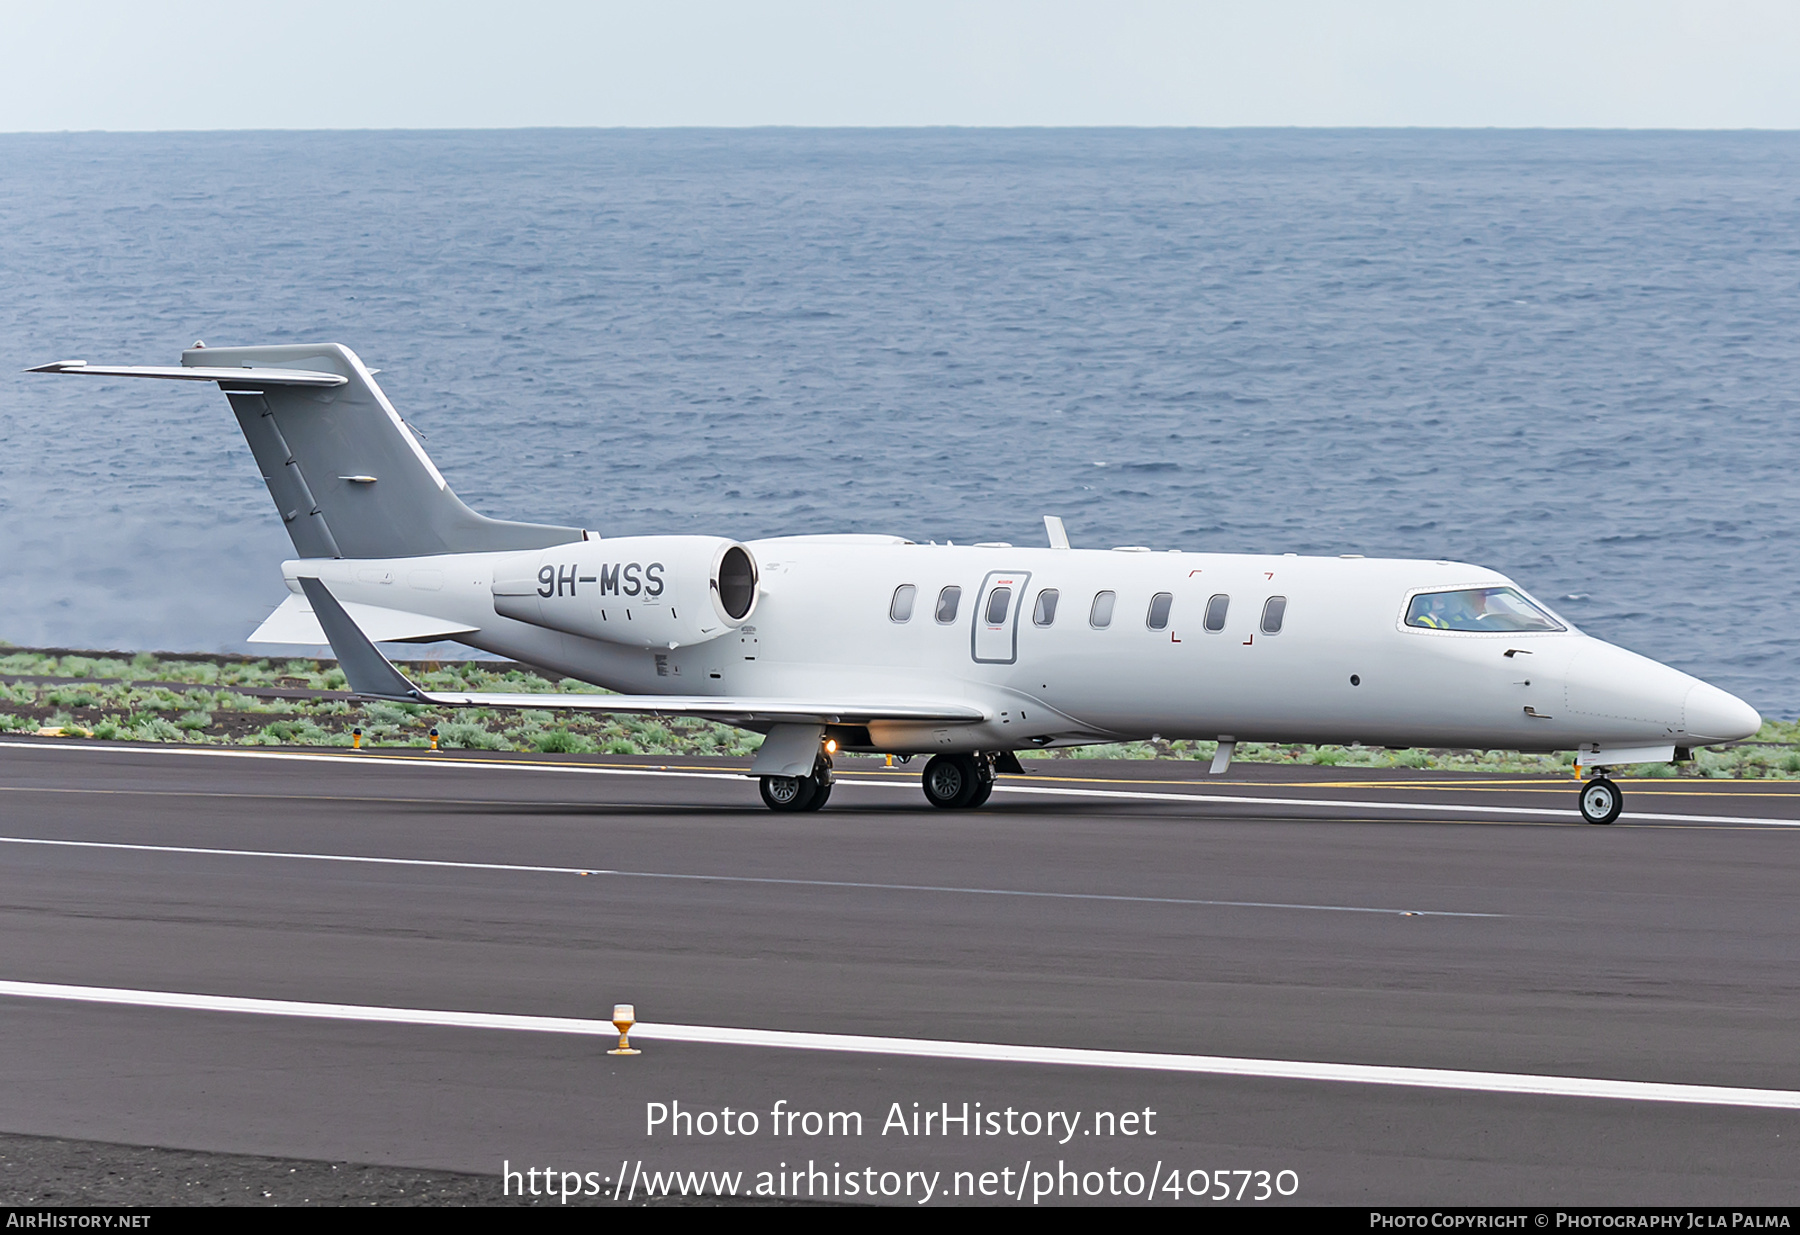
{"x": 831, "y": 746}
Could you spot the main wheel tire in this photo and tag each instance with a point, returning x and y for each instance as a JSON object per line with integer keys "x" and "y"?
{"x": 951, "y": 781}
{"x": 1601, "y": 801}
{"x": 788, "y": 792}
{"x": 984, "y": 787}
{"x": 821, "y": 794}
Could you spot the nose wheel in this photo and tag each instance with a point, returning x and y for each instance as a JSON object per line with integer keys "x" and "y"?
{"x": 1601, "y": 801}
{"x": 958, "y": 782}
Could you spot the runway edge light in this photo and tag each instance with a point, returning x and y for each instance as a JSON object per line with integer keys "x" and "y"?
{"x": 623, "y": 1018}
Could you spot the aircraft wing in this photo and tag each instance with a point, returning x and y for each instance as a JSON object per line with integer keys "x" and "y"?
{"x": 374, "y": 675}
{"x": 732, "y": 709}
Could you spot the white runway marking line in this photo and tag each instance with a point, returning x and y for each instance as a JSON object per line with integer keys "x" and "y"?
{"x": 927, "y": 1048}
{"x": 1003, "y": 787}
{"x": 1352, "y": 804}
{"x": 442, "y": 863}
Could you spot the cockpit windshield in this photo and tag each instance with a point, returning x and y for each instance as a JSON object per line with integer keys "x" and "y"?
{"x": 1479, "y": 609}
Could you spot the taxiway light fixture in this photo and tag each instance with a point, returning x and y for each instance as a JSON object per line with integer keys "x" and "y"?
{"x": 623, "y": 1018}
{"x": 434, "y": 737}
{"x": 356, "y": 738}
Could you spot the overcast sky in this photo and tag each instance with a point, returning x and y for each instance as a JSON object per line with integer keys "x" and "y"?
{"x": 252, "y": 64}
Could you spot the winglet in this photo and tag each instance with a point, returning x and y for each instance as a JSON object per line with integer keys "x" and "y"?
{"x": 370, "y": 673}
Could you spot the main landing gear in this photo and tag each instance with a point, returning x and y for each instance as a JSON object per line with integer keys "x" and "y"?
{"x": 959, "y": 782}
{"x": 1601, "y": 801}
{"x": 951, "y": 782}
{"x": 798, "y": 792}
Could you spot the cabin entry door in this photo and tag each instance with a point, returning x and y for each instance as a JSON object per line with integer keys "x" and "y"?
{"x": 996, "y": 618}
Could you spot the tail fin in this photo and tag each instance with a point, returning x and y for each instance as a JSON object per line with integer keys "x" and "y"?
{"x": 347, "y": 475}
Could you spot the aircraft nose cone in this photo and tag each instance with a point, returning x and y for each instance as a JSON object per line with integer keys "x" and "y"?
{"x": 1712, "y": 715}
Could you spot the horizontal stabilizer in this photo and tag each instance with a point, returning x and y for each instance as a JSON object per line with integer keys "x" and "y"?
{"x": 294, "y": 622}
{"x": 372, "y": 674}
{"x": 184, "y": 373}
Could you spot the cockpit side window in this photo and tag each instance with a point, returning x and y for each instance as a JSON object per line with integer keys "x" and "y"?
{"x": 1480, "y": 610}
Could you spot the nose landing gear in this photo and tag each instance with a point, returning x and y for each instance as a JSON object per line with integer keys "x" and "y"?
{"x": 1601, "y": 800}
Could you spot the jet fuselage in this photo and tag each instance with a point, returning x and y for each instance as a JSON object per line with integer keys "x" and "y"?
{"x": 1339, "y": 662}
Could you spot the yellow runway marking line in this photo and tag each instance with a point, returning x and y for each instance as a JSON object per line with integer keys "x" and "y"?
{"x": 369, "y": 759}
{"x": 513, "y": 803}
{"x": 363, "y": 799}
{"x": 418, "y": 756}
{"x": 1646, "y": 786}
{"x": 1535, "y": 786}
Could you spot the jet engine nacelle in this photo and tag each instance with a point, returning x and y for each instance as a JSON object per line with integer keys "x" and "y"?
{"x": 645, "y": 591}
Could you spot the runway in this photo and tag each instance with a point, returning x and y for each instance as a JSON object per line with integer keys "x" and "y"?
{"x": 1399, "y": 988}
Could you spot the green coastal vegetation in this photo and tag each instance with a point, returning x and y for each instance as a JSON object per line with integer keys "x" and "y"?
{"x": 242, "y": 701}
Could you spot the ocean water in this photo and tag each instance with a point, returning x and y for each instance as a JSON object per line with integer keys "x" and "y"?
{"x": 1574, "y": 357}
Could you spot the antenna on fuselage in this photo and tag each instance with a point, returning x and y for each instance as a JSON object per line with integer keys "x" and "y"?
{"x": 1053, "y": 528}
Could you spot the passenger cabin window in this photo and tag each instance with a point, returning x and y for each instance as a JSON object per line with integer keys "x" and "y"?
{"x": 1274, "y": 609}
{"x": 1158, "y": 617}
{"x": 900, "y": 610}
{"x": 1215, "y": 613}
{"x": 1481, "y": 609}
{"x": 948, "y": 599}
{"x": 1100, "y": 616}
{"x": 998, "y": 601}
{"x": 1045, "y": 613}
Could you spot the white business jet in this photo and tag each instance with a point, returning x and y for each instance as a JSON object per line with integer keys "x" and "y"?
{"x": 963, "y": 653}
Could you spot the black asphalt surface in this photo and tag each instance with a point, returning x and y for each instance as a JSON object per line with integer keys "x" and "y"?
{"x": 1657, "y": 949}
